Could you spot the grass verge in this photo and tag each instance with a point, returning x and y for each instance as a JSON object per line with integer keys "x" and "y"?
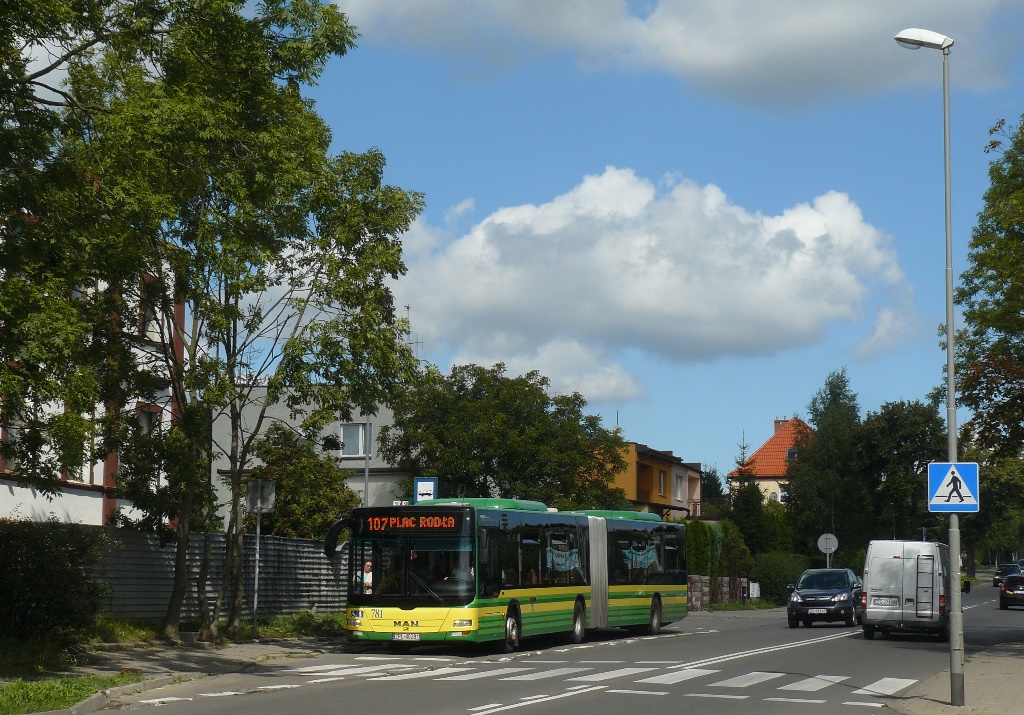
{"x": 31, "y": 696}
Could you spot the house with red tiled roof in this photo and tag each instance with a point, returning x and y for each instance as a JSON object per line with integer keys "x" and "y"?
{"x": 768, "y": 463}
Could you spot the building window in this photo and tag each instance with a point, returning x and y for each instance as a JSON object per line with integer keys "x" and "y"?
{"x": 774, "y": 496}
{"x": 791, "y": 454}
{"x": 353, "y": 440}
{"x": 149, "y": 418}
{"x": 680, "y": 495}
{"x": 661, "y": 482}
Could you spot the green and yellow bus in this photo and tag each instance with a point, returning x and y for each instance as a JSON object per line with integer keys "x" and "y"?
{"x": 458, "y": 570}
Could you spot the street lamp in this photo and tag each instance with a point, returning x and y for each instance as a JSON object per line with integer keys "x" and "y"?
{"x": 915, "y": 38}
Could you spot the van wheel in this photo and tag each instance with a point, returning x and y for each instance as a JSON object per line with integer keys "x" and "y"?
{"x": 869, "y": 633}
{"x": 654, "y": 624}
{"x": 579, "y": 623}
{"x": 944, "y": 633}
{"x": 511, "y": 631}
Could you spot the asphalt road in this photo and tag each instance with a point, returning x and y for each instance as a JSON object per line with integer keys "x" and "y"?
{"x": 731, "y": 661}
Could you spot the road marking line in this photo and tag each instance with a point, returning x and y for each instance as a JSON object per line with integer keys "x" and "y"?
{"x": 743, "y": 681}
{"x": 220, "y": 695}
{"x": 619, "y": 673}
{"x": 639, "y": 692}
{"x": 164, "y": 701}
{"x": 483, "y": 707}
{"x": 547, "y": 674}
{"x": 865, "y": 705}
{"x": 485, "y": 673}
{"x": 677, "y": 676}
{"x": 716, "y": 695}
{"x": 815, "y": 683}
{"x": 499, "y": 708}
{"x": 796, "y": 700}
{"x": 759, "y": 651}
{"x": 277, "y": 687}
{"x": 422, "y": 674}
{"x": 885, "y": 686}
{"x": 324, "y": 680}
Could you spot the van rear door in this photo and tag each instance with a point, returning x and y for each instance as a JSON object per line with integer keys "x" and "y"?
{"x": 919, "y": 578}
{"x": 885, "y": 594}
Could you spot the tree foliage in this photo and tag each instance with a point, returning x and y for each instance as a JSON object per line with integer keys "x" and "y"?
{"x": 483, "y": 433}
{"x": 826, "y": 490}
{"x": 311, "y": 493}
{"x": 747, "y": 505}
{"x": 896, "y": 444}
{"x": 182, "y": 174}
{"x": 990, "y": 350}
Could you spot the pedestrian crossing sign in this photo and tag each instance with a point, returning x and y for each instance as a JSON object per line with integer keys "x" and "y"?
{"x": 953, "y": 487}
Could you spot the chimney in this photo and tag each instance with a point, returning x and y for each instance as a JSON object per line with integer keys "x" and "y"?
{"x": 779, "y": 424}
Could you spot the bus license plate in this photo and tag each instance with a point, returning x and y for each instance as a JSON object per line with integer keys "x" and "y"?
{"x": 816, "y": 610}
{"x": 889, "y": 601}
{"x": 405, "y": 636}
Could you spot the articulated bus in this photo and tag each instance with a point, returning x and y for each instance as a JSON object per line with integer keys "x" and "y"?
{"x": 474, "y": 570}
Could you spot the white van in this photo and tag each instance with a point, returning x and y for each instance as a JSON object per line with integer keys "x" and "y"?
{"x": 906, "y": 588}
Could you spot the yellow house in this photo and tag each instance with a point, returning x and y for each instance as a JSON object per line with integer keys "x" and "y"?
{"x": 660, "y": 482}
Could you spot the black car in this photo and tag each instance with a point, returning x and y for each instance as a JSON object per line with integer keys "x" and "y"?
{"x": 1002, "y": 571}
{"x": 825, "y": 595}
{"x": 1012, "y": 592}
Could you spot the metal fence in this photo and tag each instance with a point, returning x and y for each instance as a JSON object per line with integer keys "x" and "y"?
{"x": 294, "y": 575}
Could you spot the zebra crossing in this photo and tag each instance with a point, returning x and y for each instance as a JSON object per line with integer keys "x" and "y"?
{"x": 612, "y": 677}
{"x": 642, "y": 679}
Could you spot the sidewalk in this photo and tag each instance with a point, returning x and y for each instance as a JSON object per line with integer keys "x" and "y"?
{"x": 993, "y": 683}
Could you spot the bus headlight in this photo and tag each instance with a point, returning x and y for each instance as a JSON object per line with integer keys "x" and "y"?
{"x": 462, "y": 624}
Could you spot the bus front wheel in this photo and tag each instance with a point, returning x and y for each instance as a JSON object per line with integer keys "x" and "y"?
{"x": 579, "y": 623}
{"x": 511, "y": 630}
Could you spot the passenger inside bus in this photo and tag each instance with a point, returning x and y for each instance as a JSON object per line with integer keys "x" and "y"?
{"x": 531, "y": 578}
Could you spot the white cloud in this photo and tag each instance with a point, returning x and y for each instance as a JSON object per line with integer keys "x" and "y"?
{"x": 752, "y": 51}
{"x": 618, "y": 264}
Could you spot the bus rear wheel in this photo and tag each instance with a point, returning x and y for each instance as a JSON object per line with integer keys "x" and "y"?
{"x": 654, "y": 624}
{"x": 511, "y": 631}
{"x": 579, "y": 623}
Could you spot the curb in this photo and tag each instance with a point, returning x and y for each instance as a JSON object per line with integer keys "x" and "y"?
{"x": 100, "y": 700}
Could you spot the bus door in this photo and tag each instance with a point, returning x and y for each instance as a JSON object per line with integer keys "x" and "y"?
{"x": 598, "y": 571}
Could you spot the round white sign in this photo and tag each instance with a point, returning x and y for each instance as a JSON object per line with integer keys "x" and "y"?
{"x": 828, "y": 543}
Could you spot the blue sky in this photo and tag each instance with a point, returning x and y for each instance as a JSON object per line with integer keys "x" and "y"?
{"x": 689, "y": 212}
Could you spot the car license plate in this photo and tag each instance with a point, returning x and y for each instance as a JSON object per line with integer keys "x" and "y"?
{"x": 817, "y": 610}
{"x": 885, "y": 601}
{"x": 405, "y": 636}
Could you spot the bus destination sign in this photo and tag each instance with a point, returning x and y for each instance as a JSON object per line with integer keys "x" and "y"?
{"x": 421, "y": 523}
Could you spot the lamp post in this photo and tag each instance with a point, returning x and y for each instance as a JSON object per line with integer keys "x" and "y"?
{"x": 915, "y": 38}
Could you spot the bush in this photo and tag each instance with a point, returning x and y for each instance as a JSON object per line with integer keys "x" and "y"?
{"x": 774, "y": 571}
{"x": 48, "y": 587}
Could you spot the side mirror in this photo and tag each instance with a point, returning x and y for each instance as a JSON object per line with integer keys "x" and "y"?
{"x": 791, "y": 586}
{"x": 333, "y": 534}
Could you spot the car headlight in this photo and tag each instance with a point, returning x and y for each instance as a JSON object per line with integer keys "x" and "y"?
{"x": 795, "y": 598}
{"x": 839, "y": 597}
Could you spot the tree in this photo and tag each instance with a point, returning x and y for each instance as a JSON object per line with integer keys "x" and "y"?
{"x": 990, "y": 351}
{"x": 257, "y": 261}
{"x": 310, "y": 485}
{"x": 483, "y": 433}
{"x": 60, "y": 353}
{"x": 826, "y": 490}
{"x": 747, "y": 511}
{"x": 896, "y": 443}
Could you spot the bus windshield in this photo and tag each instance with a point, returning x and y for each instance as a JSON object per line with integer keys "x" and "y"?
{"x": 412, "y": 570}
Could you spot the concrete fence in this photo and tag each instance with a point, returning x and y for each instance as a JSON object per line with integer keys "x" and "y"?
{"x": 294, "y": 575}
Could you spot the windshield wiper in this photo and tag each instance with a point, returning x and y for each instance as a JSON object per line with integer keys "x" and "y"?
{"x": 426, "y": 588}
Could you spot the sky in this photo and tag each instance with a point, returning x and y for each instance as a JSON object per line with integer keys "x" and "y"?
{"x": 689, "y": 212}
